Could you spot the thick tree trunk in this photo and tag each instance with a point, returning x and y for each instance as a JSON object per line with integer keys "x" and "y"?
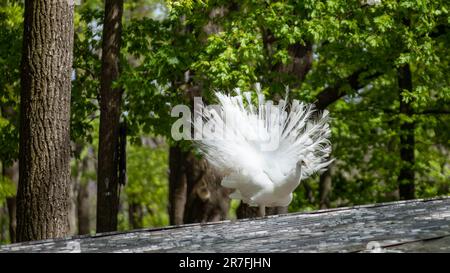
{"x": 43, "y": 191}
{"x": 110, "y": 101}
{"x": 12, "y": 172}
{"x": 406, "y": 177}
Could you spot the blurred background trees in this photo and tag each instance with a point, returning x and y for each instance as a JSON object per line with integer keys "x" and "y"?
{"x": 380, "y": 67}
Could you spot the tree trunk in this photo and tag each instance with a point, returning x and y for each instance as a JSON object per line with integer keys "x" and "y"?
{"x": 300, "y": 65}
{"x": 325, "y": 187}
{"x": 43, "y": 190}
{"x": 12, "y": 172}
{"x": 3, "y": 223}
{"x": 135, "y": 215}
{"x": 83, "y": 197}
{"x": 110, "y": 101}
{"x": 406, "y": 177}
{"x": 76, "y": 174}
{"x": 245, "y": 211}
{"x": 83, "y": 214}
{"x": 81, "y": 189}
{"x": 12, "y": 213}
{"x": 177, "y": 185}
{"x": 195, "y": 193}
{"x": 207, "y": 200}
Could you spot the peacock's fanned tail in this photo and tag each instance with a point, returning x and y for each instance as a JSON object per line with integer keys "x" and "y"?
{"x": 247, "y": 140}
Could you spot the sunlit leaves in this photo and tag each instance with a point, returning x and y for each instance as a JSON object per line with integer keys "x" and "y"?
{"x": 11, "y": 29}
{"x": 147, "y": 181}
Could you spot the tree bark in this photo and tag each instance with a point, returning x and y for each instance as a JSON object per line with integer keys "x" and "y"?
{"x": 195, "y": 193}
{"x": 177, "y": 185}
{"x": 43, "y": 190}
{"x": 407, "y": 142}
{"x": 207, "y": 200}
{"x": 12, "y": 217}
{"x": 83, "y": 214}
{"x": 81, "y": 202}
{"x": 84, "y": 196}
{"x": 110, "y": 102}
{"x": 245, "y": 211}
{"x": 135, "y": 215}
{"x": 3, "y": 223}
{"x": 76, "y": 174}
{"x": 301, "y": 62}
{"x": 325, "y": 188}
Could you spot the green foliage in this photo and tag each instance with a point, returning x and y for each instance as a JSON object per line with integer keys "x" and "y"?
{"x": 147, "y": 170}
{"x": 11, "y": 30}
{"x": 86, "y": 66}
{"x": 7, "y": 189}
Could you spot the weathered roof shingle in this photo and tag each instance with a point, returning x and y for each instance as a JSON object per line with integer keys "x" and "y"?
{"x": 405, "y": 226}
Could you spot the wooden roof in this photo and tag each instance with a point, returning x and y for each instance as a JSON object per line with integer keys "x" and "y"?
{"x": 404, "y": 226}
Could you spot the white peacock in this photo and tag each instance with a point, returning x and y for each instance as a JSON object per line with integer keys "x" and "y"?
{"x": 262, "y": 149}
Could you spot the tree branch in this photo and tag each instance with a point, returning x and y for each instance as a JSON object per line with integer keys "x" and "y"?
{"x": 333, "y": 93}
{"x": 439, "y": 31}
{"x": 433, "y": 112}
